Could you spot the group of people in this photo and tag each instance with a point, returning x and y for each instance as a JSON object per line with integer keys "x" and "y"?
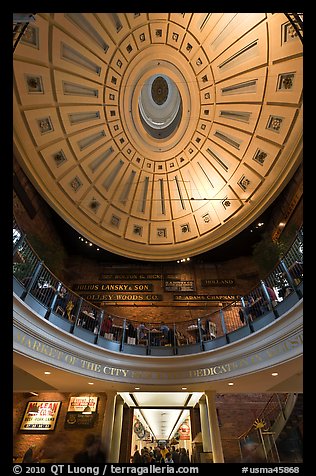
{"x": 160, "y": 455}
{"x": 257, "y": 306}
{"x": 90, "y": 453}
{"x": 93, "y": 453}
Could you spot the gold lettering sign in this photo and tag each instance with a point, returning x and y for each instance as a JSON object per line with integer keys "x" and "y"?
{"x": 205, "y": 373}
{"x": 206, "y": 297}
{"x": 130, "y": 277}
{"x": 127, "y": 288}
{"x": 122, "y": 297}
{"x": 217, "y": 282}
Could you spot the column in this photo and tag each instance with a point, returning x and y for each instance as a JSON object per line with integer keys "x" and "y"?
{"x": 216, "y": 440}
{"x": 107, "y": 426}
{"x": 205, "y": 428}
{"x": 117, "y": 431}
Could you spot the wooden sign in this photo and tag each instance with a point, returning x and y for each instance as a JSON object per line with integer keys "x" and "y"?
{"x": 134, "y": 276}
{"x": 205, "y": 297}
{"x": 108, "y": 287}
{"x": 183, "y": 286}
{"x": 218, "y": 282}
{"x": 122, "y": 297}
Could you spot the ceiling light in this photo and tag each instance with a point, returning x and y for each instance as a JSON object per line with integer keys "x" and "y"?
{"x": 274, "y": 374}
{"x": 90, "y": 383}
{"x": 137, "y": 388}
{"x": 47, "y": 373}
{"x": 230, "y": 383}
{"x": 184, "y": 388}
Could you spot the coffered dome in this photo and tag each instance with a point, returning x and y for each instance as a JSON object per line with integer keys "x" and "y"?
{"x": 158, "y": 135}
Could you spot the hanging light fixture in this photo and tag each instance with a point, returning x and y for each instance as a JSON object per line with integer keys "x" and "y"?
{"x": 87, "y": 410}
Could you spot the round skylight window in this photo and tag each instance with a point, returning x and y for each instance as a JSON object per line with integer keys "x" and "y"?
{"x": 160, "y": 106}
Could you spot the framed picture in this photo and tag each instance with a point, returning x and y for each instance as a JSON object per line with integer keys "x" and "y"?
{"x": 40, "y": 416}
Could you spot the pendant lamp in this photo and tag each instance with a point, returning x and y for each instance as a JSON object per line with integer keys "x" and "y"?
{"x": 87, "y": 410}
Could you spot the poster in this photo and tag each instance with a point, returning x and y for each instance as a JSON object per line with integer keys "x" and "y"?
{"x": 78, "y": 404}
{"x": 40, "y": 416}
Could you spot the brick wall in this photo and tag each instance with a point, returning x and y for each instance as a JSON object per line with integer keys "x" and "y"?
{"x": 236, "y": 415}
{"x": 61, "y": 443}
{"x": 88, "y": 272}
{"x": 78, "y": 269}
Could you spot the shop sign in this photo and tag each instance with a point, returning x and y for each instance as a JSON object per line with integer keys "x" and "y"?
{"x": 217, "y": 282}
{"x": 40, "y": 416}
{"x": 124, "y": 287}
{"x": 184, "y": 431}
{"x": 178, "y": 286}
{"x": 78, "y": 404}
{"x": 131, "y": 277}
{"x": 79, "y": 420}
{"x": 206, "y": 297}
{"x": 123, "y": 297}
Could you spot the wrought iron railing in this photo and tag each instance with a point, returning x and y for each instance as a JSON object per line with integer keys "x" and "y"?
{"x": 42, "y": 290}
{"x": 296, "y": 20}
{"x": 258, "y": 444}
{"x": 20, "y": 24}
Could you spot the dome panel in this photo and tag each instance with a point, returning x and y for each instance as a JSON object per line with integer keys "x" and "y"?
{"x": 222, "y": 90}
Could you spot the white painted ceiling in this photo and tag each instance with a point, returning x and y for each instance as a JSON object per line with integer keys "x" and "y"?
{"x": 28, "y": 376}
{"x": 79, "y": 136}
{"x": 162, "y": 422}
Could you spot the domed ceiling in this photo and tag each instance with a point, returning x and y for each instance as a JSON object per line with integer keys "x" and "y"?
{"x": 158, "y": 135}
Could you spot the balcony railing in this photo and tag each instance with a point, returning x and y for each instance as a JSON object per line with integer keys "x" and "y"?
{"x": 296, "y": 20}
{"x": 35, "y": 284}
{"x": 259, "y": 444}
{"x": 20, "y": 24}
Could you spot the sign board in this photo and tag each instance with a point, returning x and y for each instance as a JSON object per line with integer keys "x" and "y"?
{"x": 179, "y": 286}
{"x": 134, "y": 276}
{"x": 40, "y": 416}
{"x": 78, "y": 404}
{"x": 108, "y": 287}
{"x": 218, "y": 282}
{"x": 78, "y": 420}
{"x": 205, "y": 297}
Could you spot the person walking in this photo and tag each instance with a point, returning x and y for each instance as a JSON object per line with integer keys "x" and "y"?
{"x": 136, "y": 459}
{"x": 91, "y": 453}
{"x": 184, "y": 458}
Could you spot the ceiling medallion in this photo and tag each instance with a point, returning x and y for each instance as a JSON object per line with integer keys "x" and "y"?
{"x": 159, "y": 90}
